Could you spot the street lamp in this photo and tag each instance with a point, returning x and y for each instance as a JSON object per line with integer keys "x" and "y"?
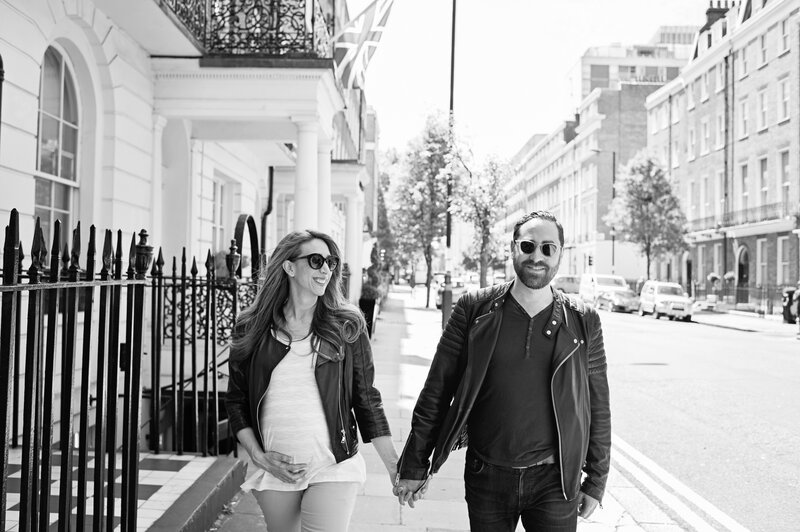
{"x": 447, "y": 293}
{"x": 613, "y": 237}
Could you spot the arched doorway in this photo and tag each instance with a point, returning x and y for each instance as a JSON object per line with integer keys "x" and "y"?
{"x": 742, "y": 275}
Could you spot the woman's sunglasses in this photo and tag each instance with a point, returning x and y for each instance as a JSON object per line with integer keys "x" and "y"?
{"x": 528, "y": 246}
{"x": 315, "y": 260}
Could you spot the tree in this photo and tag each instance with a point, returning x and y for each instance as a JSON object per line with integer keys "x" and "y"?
{"x": 480, "y": 201}
{"x": 383, "y": 232}
{"x": 645, "y": 210}
{"x": 420, "y": 199}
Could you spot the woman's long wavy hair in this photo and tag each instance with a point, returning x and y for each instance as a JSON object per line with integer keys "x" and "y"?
{"x": 335, "y": 319}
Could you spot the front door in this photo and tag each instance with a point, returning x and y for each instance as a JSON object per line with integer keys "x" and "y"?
{"x": 743, "y": 276}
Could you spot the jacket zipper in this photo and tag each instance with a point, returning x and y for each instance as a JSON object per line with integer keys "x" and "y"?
{"x": 258, "y": 422}
{"x": 558, "y": 427}
{"x": 339, "y": 408}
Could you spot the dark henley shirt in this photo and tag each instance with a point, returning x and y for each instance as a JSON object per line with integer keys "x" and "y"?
{"x": 512, "y": 422}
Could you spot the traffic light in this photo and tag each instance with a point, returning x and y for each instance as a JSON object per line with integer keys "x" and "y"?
{"x": 591, "y": 260}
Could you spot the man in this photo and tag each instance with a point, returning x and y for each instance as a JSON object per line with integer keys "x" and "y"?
{"x": 519, "y": 374}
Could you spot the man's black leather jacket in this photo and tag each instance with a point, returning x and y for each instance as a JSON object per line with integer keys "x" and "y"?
{"x": 345, "y": 387}
{"x": 578, "y": 387}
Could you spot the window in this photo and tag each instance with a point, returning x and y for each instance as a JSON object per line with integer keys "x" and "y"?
{"x": 720, "y": 70}
{"x": 704, "y": 87}
{"x": 662, "y": 111}
{"x": 718, "y": 259}
{"x": 763, "y": 42}
{"x": 692, "y": 199}
{"x": 762, "y": 110}
{"x": 783, "y": 260}
{"x": 745, "y": 186}
{"x": 783, "y": 99}
{"x": 675, "y": 161}
{"x": 705, "y": 134}
{"x": 675, "y": 110}
{"x": 785, "y": 179}
{"x": 720, "y": 193}
{"x": 690, "y": 148}
{"x": 743, "y": 62}
{"x": 763, "y": 180}
{"x": 761, "y": 261}
{"x": 690, "y": 96}
{"x": 219, "y": 216}
{"x": 56, "y": 161}
{"x": 705, "y": 198}
{"x": 784, "y": 35}
{"x": 743, "y": 118}
{"x": 720, "y": 130}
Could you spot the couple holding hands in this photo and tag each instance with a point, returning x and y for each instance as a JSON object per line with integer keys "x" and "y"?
{"x": 519, "y": 378}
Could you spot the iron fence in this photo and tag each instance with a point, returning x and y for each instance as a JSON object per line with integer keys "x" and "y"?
{"x": 761, "y": 299}
{"x": 58, "y": 336}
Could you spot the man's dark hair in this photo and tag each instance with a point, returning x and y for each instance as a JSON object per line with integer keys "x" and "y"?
{"x": 544, "y": 215}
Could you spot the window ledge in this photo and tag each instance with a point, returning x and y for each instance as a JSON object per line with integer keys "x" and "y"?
{"x": 783, "y": 121}
{"x": 762, "y": 65}
{"x": 744, "y": 137}
{"x": 763, "y": 130}
{"x": 784, "y": 52}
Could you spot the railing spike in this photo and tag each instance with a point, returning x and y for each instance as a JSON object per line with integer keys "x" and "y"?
{"x": 65, "y": 259}
{"x": 209, "y": 261}
{"x": 91, "y": 248}
{"x": 21, "y": 256}
{"x": 108, "y": 251}
{"x": 55, "y": 249}
{"x": 74, "y": 264}
{"x": 160, "y": 261}
{"x": 194, "y": 267}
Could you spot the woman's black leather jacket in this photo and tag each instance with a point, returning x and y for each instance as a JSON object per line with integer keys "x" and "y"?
{"x": 345, "y": 387}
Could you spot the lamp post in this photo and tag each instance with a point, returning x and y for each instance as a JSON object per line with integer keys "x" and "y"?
{"x": 447, "y": 292}
{"x": 613, "y": 237}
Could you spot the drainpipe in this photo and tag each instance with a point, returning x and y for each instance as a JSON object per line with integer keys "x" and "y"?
{"x": 267, "y": 212}
{"x": 2, "y": 78}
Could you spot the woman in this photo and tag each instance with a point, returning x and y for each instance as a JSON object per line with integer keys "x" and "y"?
{"x": 301, "y": 379}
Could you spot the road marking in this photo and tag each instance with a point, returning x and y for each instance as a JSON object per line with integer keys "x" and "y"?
{"x": 654, "y": 471}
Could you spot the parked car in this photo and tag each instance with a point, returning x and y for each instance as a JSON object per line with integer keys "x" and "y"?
{"x": 457, "y": 286}
{"x": 665, "y": 299}
{"x": 618, "y": 300}
{"x": 594, "y": 284}
{"x": 569, "y": 284}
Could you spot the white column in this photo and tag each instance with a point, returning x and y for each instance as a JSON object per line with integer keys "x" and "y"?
{"x": 156, "y": 196}
{"x": 324, "y": 185}
{"x": 353, "y": 244}
{"x": 306, "y": 208}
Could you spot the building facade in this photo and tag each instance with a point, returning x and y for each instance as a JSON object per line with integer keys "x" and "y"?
{"x": 726, "y": 131}
{"x": 658, "y": 61}
{"x": 178, "y": 117}
{"x": 571, "y": 172}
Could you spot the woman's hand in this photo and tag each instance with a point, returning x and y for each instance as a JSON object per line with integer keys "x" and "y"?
{"x": 279, "y": 465}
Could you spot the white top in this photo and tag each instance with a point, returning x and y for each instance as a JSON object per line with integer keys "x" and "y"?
{"x": 292, "y": 421}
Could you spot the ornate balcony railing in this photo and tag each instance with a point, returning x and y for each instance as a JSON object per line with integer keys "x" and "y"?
{"x": 268, "y": 28}
{"x": 762, "y": 213}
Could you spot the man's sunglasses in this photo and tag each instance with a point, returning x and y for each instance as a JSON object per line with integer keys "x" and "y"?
{"x": 315, "y": 260}
{"x": 528, "y": 246}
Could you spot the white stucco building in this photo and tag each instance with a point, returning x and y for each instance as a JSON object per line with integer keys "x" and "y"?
{"x": 171, "y": 116}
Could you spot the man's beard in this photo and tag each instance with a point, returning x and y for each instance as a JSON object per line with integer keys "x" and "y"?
{"x": 535, "y": 280}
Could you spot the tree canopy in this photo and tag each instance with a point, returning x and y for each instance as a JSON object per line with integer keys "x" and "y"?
{"x": 645, "y": 210}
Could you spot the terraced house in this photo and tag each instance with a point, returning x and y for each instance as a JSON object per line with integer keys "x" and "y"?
{"x": 726, "y": 130}
{"x": 199, "y": 122}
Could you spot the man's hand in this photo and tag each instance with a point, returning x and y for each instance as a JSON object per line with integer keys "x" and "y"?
{"x": 586, "y": 505}
{"x": 279, "y": 465}
{"x": 410, "y": 491}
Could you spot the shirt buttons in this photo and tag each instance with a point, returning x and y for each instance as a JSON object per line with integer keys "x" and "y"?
{"x": 554, "y": 322}
{"x": 547, "y": 331}
{"x": 575, "y": 341}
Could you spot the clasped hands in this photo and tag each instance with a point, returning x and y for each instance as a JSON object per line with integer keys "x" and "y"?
{"x": 409, "y": 491}
{"x": 281, "y": 466}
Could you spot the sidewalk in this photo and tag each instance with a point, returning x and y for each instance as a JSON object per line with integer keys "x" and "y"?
{"x": 404, "y": 342}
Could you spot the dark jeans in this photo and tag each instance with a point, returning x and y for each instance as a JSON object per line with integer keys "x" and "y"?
{"x": 498, "y": 496}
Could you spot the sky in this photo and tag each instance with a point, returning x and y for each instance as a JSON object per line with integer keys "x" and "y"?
{"x": 512, "y": 60}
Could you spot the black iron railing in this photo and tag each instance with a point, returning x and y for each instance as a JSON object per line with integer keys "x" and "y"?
{"x": 54, "y": 303}
{"x": 762, "y": 213}
{"x": 294, "y": 28}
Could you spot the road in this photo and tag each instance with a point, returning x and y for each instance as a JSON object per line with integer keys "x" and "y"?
{"x": 709, "y": 418}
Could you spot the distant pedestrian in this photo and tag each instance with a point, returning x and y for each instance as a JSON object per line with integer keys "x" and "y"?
{"x": 519, "y": 376}
{"x": 301, "y": 378}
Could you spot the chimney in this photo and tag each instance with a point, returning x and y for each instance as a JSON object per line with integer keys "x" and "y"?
{"x": 713, "y": 14}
